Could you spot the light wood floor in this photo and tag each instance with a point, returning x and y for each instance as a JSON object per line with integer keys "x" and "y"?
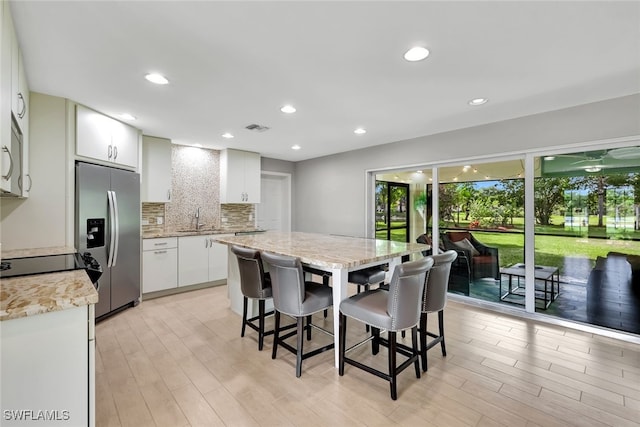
{"x": 180, "y": 360}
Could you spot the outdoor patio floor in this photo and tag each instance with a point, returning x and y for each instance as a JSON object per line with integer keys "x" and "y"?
{"x": 573, "y": 303}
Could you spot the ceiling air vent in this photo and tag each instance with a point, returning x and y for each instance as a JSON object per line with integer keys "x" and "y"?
{"x": 257, "y": 128}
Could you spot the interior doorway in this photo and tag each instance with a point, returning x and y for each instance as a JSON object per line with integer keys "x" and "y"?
{"x": 274, "y": 210}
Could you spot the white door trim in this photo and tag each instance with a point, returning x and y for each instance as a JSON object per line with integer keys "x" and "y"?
{"x": 287, "y": 187}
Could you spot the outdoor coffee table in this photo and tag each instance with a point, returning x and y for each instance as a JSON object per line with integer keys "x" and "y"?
{"x": 547, "y": 275}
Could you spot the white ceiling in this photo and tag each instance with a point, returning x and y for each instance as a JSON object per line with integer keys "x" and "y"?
{"x": 340, "y": 64}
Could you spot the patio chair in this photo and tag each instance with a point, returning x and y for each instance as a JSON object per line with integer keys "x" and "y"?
{"x": 479, "y": 259}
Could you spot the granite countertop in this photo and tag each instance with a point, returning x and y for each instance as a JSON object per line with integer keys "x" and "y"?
{"x": 43, "y": 293}
{"x": 328, "y": 251}
{"x": 22, "y": 253}
{"x": 202, "y": 232}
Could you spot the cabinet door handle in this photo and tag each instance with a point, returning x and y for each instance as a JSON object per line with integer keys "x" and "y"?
{"x": 159, "y": 252}
{"x": 168, "y": 194}
{"x": 115, "y": 152}
{"x": 8, "y": 175}
{"x": 110, "y": 151}
{"x": 160, "y": 244}
{"x": 30, "y": 182}
{"x": 23, "y": 111}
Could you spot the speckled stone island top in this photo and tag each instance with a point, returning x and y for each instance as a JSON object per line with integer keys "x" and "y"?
{"x": 43, "y": 293}
{"x": 325, "y": 250}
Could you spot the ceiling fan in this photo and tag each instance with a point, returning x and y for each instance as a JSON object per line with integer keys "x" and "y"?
{"x": 588, "y": 158}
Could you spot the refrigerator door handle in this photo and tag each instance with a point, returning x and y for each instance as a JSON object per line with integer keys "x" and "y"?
{"x": 112, "y": 228}
{"x": 117, "y": 228}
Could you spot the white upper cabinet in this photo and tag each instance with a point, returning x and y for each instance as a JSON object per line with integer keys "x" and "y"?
{"x": 6, "y": 155}
{"x": 103, "y": 138}
{"x": 156, "y": 169}
{"x": 14, "y": 106}
{"x": 19, "y": 87}
{"x": 239, "y": 177}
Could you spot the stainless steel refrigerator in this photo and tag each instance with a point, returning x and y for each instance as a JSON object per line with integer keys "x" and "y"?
{"x": 107, "y": 225}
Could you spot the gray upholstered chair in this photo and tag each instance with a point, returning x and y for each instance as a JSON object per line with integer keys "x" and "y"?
{"x": 434, "y": 301}
{"x": 393, "y": 310}
{"x": 255, "y": 284}
{"x": 294, "y": 296}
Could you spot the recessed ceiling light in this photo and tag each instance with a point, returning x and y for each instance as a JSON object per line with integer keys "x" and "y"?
{"x": 360, "y": 131}
{"x": 227, "y": 135}
{"x": 295, "y": 147}
{"x": 156, "y": 78}
{"x": 126, "y": 116}
{"x": 416, "y": 53}
{"x": 478, "y": 101}
{"x": 288, "y": 109}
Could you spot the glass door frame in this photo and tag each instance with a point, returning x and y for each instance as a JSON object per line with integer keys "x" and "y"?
{"x": 407, "y": 225}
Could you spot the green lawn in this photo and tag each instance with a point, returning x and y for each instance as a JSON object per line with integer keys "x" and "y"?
{"x": 552, "y": 242}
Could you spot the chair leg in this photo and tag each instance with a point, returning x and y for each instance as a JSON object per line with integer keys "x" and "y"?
{"x": 276, "y": 334}
{"x": 342, "y": 343}
{"x": 300, "y": 338}
{"x": 392, "y": 365}
{"x": 325, "y": 282}
{"x": 423, "y": 340}
{"x": 244, "y": 315}
{"x": 414, "y": 347}
{"x": 375, "y": 342}
{"x": 260, "y": 324}
{"x": 441, "y": 325}
{"x": 308, "y": 328}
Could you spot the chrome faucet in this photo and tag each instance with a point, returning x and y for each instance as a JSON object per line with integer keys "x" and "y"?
{"x": 198, "y": 223}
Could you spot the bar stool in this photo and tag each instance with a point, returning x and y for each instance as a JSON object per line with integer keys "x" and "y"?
{"x": 300, "y": 299}
{"x": 434, "y": 300}
{"x": 368, "y": 276}
{"x": 393, "y": 310}
{"x": 255, "y": 284}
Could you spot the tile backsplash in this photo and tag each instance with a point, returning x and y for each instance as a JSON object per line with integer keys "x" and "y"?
{"x": 195, "y": 182}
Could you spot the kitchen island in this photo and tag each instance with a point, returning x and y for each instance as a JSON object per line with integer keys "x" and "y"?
{"x": 47, "y": 346}
{"x": 337, "y": 255}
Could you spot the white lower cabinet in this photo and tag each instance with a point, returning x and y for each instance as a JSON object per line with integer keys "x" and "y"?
{"x": 159, "y": 264}
{"x": 200, "y": 260}
{"x": 48, "y": 369}
{"x": 218, "y": 259}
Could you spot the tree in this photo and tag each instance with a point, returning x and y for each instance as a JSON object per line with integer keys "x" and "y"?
{"x": 597, "y": 186}
{"x": 465, "y": 193}
{"x": 447, "y": 202}
{"x": 549, "y": 194}
{"x": 512, "y": 198}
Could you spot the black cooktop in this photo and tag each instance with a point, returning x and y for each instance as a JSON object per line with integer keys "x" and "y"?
{"x": 13, "y": 267}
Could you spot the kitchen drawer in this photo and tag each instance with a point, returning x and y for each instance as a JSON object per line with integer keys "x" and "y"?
{"x": 160, "y": 243}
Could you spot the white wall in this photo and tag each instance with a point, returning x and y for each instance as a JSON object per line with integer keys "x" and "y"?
{"x": 39, "y": 221}
{"x": 329, "y": 193}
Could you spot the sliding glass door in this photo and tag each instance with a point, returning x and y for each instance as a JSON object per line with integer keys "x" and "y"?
{"x": 392, "y": 211}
